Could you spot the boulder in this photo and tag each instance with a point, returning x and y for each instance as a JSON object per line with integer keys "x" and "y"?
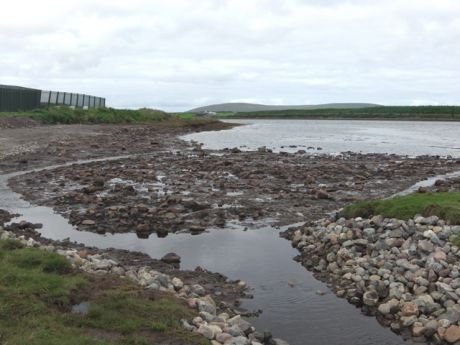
{"x": 171, "y": 258}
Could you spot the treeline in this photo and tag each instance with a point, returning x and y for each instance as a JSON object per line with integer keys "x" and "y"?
{"x": 447, "y": 113}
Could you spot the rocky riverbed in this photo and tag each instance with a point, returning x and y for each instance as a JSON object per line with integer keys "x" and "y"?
{"x": 189, "y": 189}
{"x": 405, "y": 273}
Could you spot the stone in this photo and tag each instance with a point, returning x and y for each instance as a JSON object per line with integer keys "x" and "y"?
{"x": 197, "y": 321}
{"x": 241, "y": 284}
{"x": 409, "y": 309}
{"x": 171, "y": 258}
{"x": 451, "y": 314}
{"x": 396, "y": 290}
{"x": 444, "y": 287}
{"x": 188, "y": 326}
{"x": 407, "y": 321}
{"x": 368, "y": 232}
{"x": 425, "y": 304}
{"x": 207, "y": 316}
{"x": 240, "y": 322}
{"x": 234, "y": 331}
{"x": 370, "y": 298}
{"x": 223, "y": 337}
{"x": 390, "y": 307}
{"x": 192, "y": 303}
{"x": 177, "y": 283}
{"x": 452, "y": 334}
{"x": 425, "y": 246}
{"x": 198, "y": 290}
{"x": 88, "y": 222}
{"x": 238, "y": 341}
{"x": 439, "y": 255}
{"x": 431, "y": 328}
{"x": 418, "y": 331}
{"x": 206, "y": 331}
{"x": 204, "y": 305}
{"x": 407, "y": 265}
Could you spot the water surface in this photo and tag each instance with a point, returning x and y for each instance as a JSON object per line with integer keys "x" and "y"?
{"x": 411, "y": 138}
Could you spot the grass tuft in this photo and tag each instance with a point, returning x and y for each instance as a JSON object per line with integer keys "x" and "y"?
{"x": 444, "y": 205}
{"x": 10, "y": 245}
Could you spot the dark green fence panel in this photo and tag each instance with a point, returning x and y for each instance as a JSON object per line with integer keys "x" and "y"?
{"x": 13, "y": 98}
{"x": 57, "y": 98}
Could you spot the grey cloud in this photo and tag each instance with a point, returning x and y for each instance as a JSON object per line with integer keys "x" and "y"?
{"x": 179, "y": 54}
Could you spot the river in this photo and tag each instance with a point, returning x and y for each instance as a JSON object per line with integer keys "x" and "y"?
{"x": 411, "y": 138}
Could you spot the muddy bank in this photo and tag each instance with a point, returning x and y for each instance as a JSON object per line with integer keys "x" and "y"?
{"x": 23, "y": 148}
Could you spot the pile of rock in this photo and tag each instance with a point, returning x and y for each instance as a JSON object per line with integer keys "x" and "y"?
{"x": 406, "y": 273}
{"x": 219, "y": 328}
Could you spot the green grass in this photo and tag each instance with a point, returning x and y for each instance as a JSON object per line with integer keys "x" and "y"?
{"x": 38, "y": 289}
{"x": 422, "y": 113}
{"x": 185, "y": 115}
{"x": 66, "y": 115}
{"x": 444, "y": 205}
{"x": 188, "y": 115}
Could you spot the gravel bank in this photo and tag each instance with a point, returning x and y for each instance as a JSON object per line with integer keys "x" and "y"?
{"x": 405, "y": 273}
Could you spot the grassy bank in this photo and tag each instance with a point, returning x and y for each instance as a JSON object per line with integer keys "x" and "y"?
{"x": 38, "y": 290}
{"x": 414, "y": 113}
{"x": 65, "y": 115}
{"x": 444, "y": 205}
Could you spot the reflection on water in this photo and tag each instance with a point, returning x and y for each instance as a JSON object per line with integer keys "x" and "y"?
{"x": 334, "y": 136}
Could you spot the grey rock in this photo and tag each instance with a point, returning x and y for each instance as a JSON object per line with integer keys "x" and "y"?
{"x": 234, "y": 331}
{"x": 171, "y": 258}
{"x": 188, "y": 326}
{"x": 407, "y": 321}
{"x": 452, "y": 315}
{"x": 426, "y": 246}
{"x": 206, "y": 307}
{"x": 240, "y": 322}
{"x": 198, "y": 289}
{"x": 238, "y": 341}
{"x": 370, "y": 298}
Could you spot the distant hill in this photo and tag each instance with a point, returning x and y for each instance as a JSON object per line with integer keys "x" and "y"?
{"x": 250, "y": 107}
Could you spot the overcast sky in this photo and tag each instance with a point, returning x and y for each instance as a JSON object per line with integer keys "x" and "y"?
{"x": 178, "y": 54}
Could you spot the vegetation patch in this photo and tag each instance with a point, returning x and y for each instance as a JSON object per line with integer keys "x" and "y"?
{"x": 38, "y": 290}
{"x": 444, "y": 205}
{"x": 421, "y": 113}
{"x": 67, "y": 115}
